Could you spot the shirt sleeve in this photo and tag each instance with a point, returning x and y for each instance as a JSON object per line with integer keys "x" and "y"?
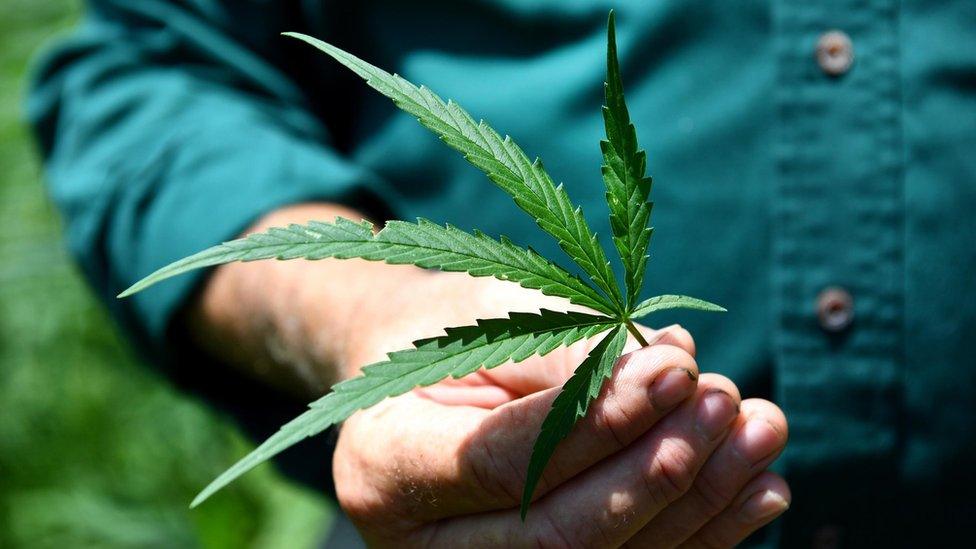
{"x": 166, "y": 128}
{"x": 163, "y": 134}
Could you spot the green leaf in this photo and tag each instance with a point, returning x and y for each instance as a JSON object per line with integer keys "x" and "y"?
{"x": 460, "y": 352}
{"x": 624, "y": 165}
{"x": 571, "y": 405}
{"x": 501, "y": 159}
{"x": 664, "y": 302}
{"x": 424, "y": 244}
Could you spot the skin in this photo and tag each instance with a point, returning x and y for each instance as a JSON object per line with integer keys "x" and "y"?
{"x": 666, "y": 457}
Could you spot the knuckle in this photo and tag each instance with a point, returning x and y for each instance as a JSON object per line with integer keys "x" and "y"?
{"x": 711, "y": 498}
{"x": 607, "y": 416}
{"x": 493, "y": 473}
{"x": 551, "y": 532}
{"x": 610, "y": 524}
{"x": 672, "y": 473}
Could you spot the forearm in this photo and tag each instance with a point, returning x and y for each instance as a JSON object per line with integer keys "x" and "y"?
{"x": 291, "y": 323}
{"x": 304, "y": 325}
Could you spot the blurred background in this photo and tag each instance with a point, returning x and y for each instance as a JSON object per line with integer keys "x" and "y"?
{"x": 95, "y": 450}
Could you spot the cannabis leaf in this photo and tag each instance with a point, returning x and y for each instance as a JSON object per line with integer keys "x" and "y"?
{"x": 571, "y": 405}
{"x": 423, "y": 244}
{"x": 664, "y": 302}
{"x": 623, "y": 172}
{"x": 489, "y": 343}
{"x": 460, "y": 352}
{"x": 500, "y": 158}
{"x": 627, "y": 193}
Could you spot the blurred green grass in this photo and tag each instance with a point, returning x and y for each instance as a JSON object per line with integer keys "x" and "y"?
{"x": 96, "y": 450}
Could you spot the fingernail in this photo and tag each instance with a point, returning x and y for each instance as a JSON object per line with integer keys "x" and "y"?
{"x": 715, "y": 413}
{"x": 756, "y": 440}
{"x": 761, "y": 506}
{"x": 671, "y": 387}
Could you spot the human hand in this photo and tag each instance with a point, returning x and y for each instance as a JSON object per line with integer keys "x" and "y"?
{"x": 665, "y": 456}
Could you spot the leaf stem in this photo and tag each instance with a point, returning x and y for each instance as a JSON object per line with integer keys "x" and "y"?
{"x": 637, "y": 335}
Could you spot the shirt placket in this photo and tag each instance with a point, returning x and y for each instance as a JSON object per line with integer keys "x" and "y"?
{"x": 837, "y": 262}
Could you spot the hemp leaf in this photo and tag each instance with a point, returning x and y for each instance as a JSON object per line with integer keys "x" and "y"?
{"x": 501, "y": 159}
{"x": 491, "y": 342}
{"x": 623, "y": 172}
{"x": 462, "y": 351}
{"x": 571, "y": 405}
{"x": 424, "y": 244}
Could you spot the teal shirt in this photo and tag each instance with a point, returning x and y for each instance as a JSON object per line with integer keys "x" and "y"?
{"x": 170, "y": 126}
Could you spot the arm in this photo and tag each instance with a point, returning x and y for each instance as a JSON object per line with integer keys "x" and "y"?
{"x": 158, "y": 147}
{"x": 306, "y": 325}
{"x": 285, "y": 322}
{"x": 164, "y": 129}
{"x": 163, "y": 132}
{"x": 664, "y": 457}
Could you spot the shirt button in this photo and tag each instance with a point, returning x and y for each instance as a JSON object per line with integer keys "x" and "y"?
{"x": 835, "y": 309}
{"x": 835, "y": 53}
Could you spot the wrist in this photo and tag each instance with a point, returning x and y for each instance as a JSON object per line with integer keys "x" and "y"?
{"x": 389, "y": 314}
{"x": 284, "y": 321}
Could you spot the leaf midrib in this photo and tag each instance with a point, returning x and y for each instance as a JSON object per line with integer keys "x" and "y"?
{"x": 288, "y": 246}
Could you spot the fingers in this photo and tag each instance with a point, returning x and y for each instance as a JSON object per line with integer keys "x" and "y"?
{"x": 646, "y": 385}
{"x": 483, "y": 395}
{"x": 757, "y": 438}
{"x": 473, "y": 460}
{"x": 607, "y": 504}
{"x": 538, "y": 374}
{"x": 766, "y": 497}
